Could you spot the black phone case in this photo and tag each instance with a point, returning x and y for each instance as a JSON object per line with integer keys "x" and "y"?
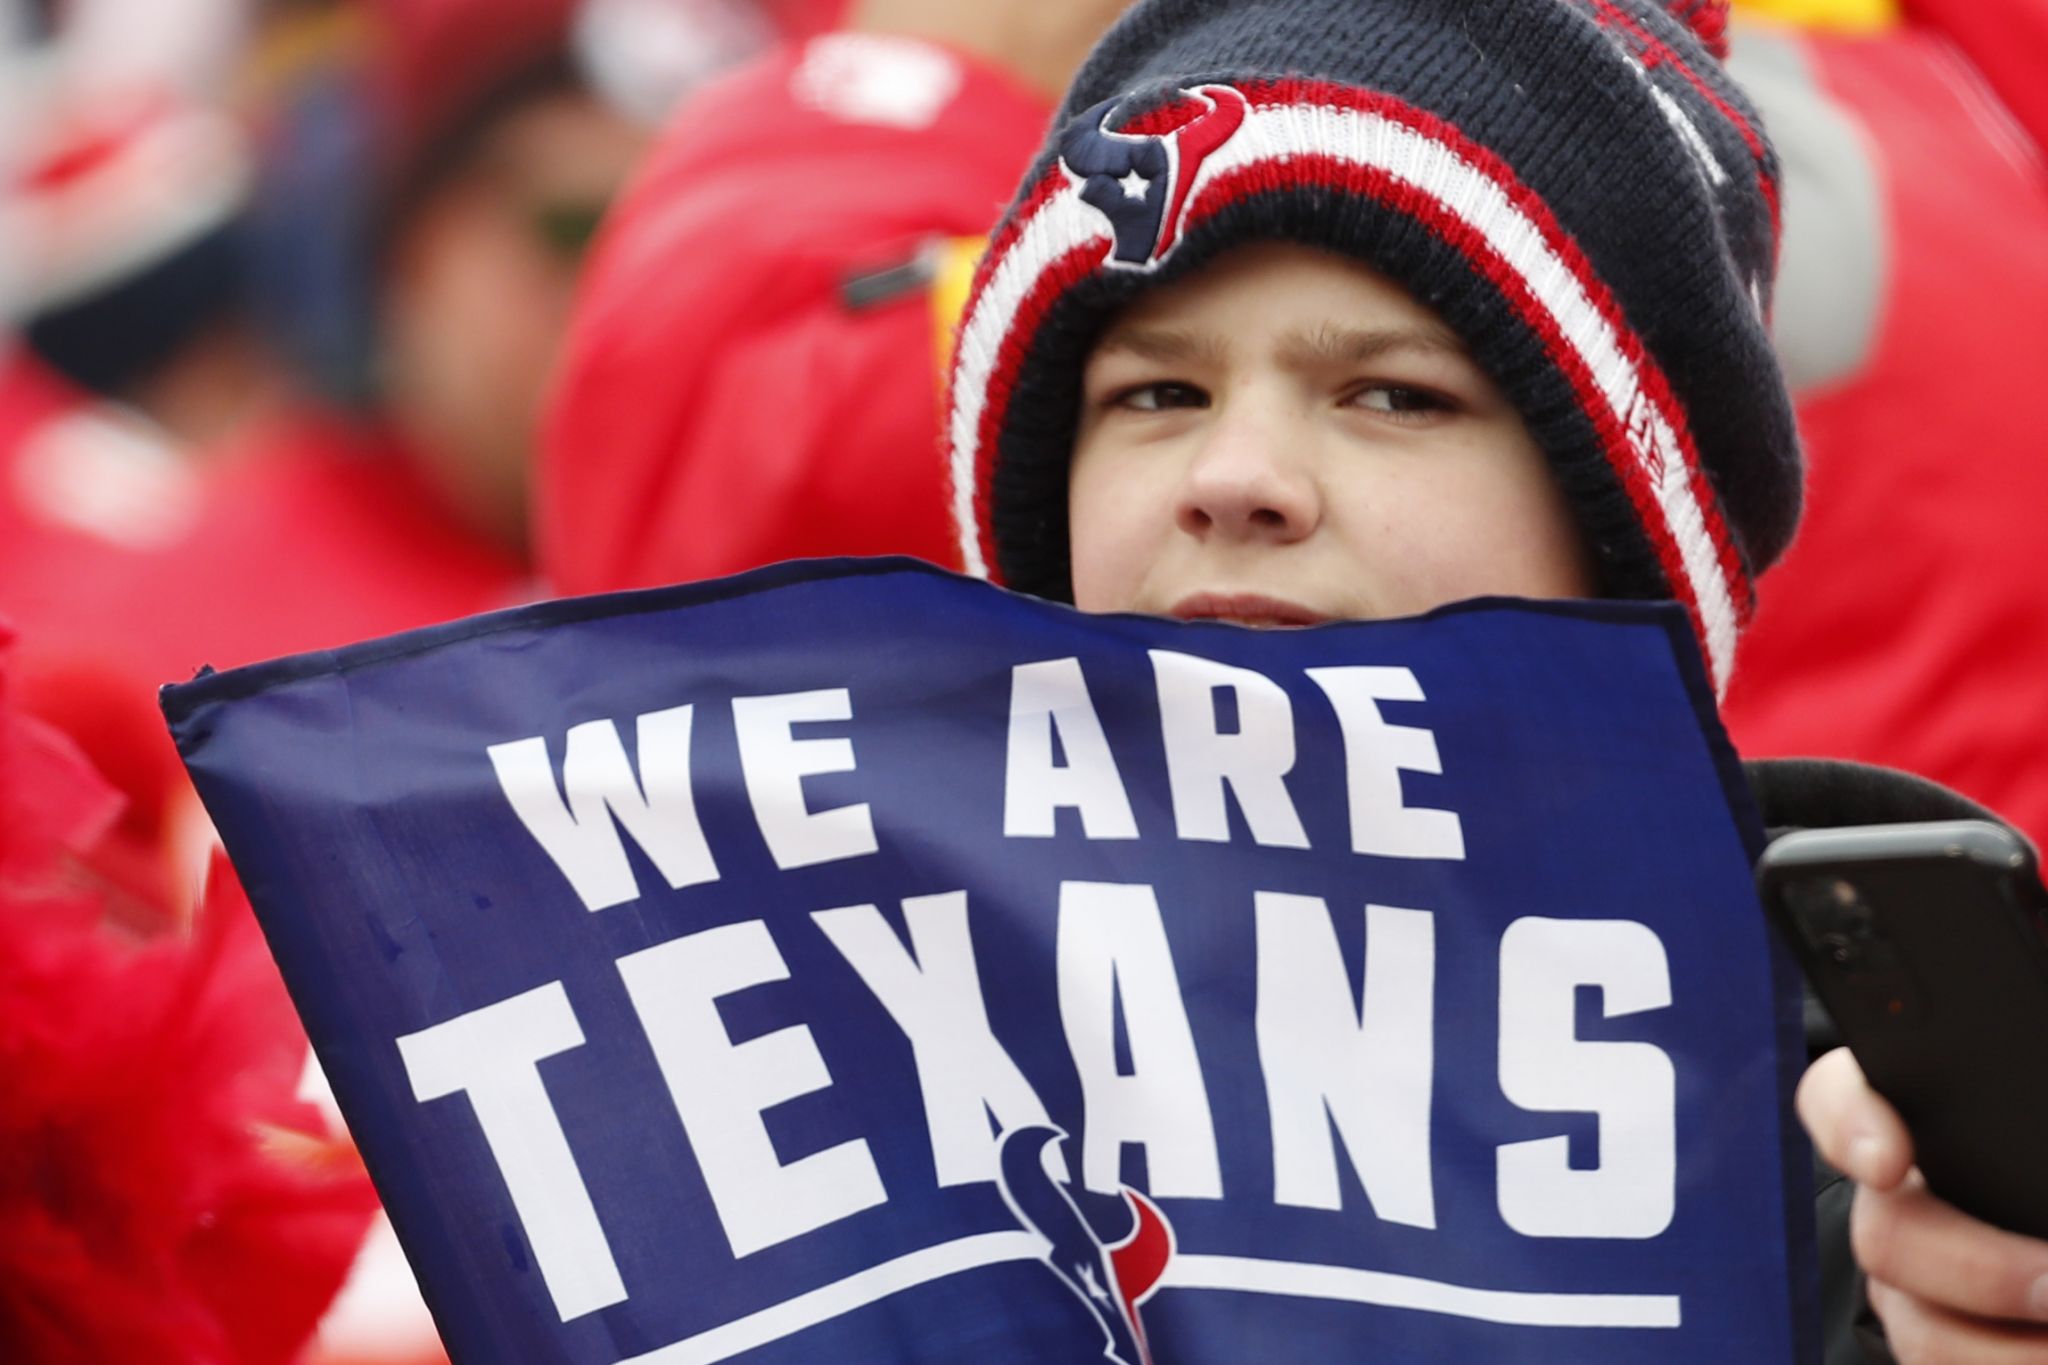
{"x": 1946, "y": 1009}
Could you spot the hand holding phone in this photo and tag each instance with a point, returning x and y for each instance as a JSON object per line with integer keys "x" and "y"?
{"x": 1929, "y": 946}
{"x": 1947, "y": 1287}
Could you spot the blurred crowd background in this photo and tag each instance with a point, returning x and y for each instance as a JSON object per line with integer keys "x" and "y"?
{"x": 324, "y": 319}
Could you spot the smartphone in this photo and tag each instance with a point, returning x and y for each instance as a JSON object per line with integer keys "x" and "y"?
{"x": 1928, "y": 944}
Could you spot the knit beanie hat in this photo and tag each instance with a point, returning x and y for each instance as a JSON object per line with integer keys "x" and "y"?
{"x": 1575, "y": 186}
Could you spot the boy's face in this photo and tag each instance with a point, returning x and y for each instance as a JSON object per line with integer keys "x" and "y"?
{"x": 1287, "y": 437}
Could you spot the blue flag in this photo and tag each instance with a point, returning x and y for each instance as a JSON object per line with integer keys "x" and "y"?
{"x": 852, "y": 962}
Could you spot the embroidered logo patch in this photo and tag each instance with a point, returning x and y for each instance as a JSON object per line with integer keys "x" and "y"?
{"x": 1141, "y": 182}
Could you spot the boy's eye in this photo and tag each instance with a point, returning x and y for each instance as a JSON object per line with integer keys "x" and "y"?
{"x": 1161, "y": 397}
{"x": 1399, "y": 400}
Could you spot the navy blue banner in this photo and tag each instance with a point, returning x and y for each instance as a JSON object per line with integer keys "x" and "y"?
{"x": 852, "y": 962}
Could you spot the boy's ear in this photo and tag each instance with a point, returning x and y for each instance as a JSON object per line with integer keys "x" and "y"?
{"x": 1708, "y": 18}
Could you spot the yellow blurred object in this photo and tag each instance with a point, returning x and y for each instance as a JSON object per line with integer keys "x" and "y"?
{"x": 1836, "y": 16}
{"x": 308, "y": 1152}
{"x": 953, "y": 262}
{"x": 294, "y": 43}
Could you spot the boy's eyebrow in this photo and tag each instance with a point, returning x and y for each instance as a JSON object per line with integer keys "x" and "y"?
{"x": 1166, "y": 346}
{"x": 1331, "y": 344}
{"x": 1326, "y": 345}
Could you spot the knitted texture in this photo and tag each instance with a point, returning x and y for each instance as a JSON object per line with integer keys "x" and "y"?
{"x": 1575, "y": 186}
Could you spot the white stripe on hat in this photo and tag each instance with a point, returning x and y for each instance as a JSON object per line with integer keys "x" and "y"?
{"x": 1465, "y": 192}
{"x": 1061, "y": 224}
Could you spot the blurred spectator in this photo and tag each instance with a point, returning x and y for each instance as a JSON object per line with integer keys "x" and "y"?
{"x": 503, "y": 162}
{"x": 445, "y": 161}
{"x": 126, "y": 179}
{"x": 127, "y": 215}
{"x": 428, "y": 172}
{"x": 754, "y": 366}
{"x": 1908, "y": 624}
{"x": 124, "y": 223}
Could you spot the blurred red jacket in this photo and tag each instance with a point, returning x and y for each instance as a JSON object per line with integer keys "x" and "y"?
{"x": 752, "y": 374}
{"x": 1909, "y": 623}
{"x": 128, "y": 564}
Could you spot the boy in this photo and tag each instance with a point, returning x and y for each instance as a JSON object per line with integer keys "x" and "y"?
{"x": 1312, "y": 311}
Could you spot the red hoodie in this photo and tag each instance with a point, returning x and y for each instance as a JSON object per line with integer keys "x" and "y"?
{"x": 752, "y": 372}
{"x": 1909, "y": 623}
{"x": 128, "y": 565}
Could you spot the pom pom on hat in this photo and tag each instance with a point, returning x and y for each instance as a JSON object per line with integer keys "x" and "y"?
{"x": 1708, "y": 18}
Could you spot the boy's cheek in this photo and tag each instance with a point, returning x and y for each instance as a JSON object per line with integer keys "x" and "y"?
{"x": 1103, "y": 580}
{"x": 1114, "y": 529}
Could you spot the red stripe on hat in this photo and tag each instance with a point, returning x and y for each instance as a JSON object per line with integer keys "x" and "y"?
{"x": 1051, "y": 183}
{"x": 1708, "y": 18}
{"x": 1167, "y": 117}
{"x": 1742, "y": 591}
{"x": 1066, "y": 271}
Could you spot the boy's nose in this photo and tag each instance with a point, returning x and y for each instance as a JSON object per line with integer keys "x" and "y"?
{"x": 1249, "y": 481}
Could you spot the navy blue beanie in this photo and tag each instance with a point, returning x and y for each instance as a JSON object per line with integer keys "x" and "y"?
{"x": 1575, "y": 186}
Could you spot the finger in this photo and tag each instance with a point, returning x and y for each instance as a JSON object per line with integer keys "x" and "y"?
{"x": 1929, "y": 1249}
{"x": 1856, "y": 1131}
{"x": 1919, "y": 1333}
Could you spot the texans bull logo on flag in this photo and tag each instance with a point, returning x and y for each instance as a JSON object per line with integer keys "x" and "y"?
{"x": 854, "y": 962}
{"x": 1112, "y": 1281}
